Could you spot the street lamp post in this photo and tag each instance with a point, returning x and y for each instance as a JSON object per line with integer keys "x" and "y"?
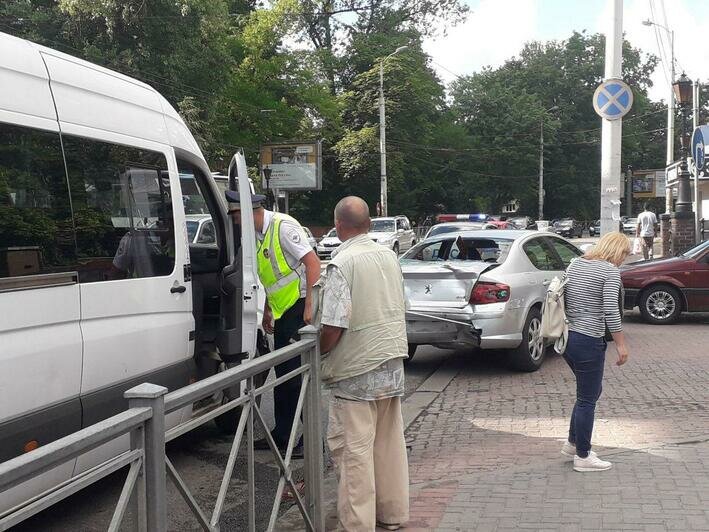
{"x": 382, "y": 133}
{"x": 670, "y": 107}
{"x": 269, "y": 193}
{"x": 683, "y": 93}
{"x": 541, "y": 161}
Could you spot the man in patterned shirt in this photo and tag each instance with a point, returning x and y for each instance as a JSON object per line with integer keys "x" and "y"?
{"x": 363, "y": 339}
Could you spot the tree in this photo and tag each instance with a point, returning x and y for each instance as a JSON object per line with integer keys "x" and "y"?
{"x": 331, "y": 26}
{"x": 503, "y": 109}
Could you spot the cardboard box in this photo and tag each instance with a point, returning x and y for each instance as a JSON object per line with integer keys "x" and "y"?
{"x": 18, "y": 261}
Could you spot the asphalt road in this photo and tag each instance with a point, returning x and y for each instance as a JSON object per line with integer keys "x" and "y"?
{"x": 200, "y": 458}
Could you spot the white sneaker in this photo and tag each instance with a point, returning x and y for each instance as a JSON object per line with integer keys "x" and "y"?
{"x": 590, "y": 463}
{"x": 568, "y": 450}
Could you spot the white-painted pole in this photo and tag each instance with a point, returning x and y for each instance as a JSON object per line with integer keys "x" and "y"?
{"x": 612, "y": 130}
{"x": 697, "y": 203}
{"x": 383, "y": 200}
{"x": 670, "y": 121}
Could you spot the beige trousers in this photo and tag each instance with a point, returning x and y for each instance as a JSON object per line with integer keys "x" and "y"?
{"x": 366, "y": 439}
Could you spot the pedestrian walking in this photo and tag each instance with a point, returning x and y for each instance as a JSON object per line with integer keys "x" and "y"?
{"x": 363, "y": 339}
{"x": 647, "y": 223}
{"x": 592, "y": 299}
{"x": 288, "y": 268}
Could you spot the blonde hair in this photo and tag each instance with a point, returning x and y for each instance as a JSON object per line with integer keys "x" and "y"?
{"x": 612, "y": 247}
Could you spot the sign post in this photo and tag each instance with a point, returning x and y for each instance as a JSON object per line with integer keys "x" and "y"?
{"x": 700, "y": 139}
{"x": 612, "y": 101}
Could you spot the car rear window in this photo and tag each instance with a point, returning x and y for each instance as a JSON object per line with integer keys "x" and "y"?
{"x": 493, "y": 250}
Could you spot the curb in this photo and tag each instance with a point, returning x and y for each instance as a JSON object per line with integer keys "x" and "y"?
{"x": 429, "y": 390}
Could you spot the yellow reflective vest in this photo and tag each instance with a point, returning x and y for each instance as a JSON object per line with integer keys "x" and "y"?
{"x": 282, "y": 283}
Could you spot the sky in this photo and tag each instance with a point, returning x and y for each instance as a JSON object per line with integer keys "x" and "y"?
{"x": 496, "y": 30}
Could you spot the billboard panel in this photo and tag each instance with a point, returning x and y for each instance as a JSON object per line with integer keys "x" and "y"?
{"x": 649, "y": 184}
{"x": 293, "y": 165}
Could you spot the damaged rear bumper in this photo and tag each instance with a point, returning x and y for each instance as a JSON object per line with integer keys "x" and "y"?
{"x": 444, "y": 327}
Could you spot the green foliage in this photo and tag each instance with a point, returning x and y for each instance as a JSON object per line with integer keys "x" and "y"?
{"x": 553, "y": 83}
{"x": 243, "y": 73}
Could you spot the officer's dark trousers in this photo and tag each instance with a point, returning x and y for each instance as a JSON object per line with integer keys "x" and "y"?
{"x": 285, "y": 396}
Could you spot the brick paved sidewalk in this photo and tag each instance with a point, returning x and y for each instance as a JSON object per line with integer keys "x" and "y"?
{"x": 485, "y": 454}
{"x": 663, "y": 488}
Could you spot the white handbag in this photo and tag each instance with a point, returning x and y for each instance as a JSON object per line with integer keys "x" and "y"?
{"x": 555, "y": 326}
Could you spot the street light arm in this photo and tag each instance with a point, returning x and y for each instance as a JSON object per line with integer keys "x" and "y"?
{"x": 653, "y": 23}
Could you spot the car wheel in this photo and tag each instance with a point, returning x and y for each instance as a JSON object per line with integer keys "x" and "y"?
{"x": 412, "y": 352}
{"x": 529, "y": 355}
{"x": 660, "y": 305}
{"x": 395, "y": 248}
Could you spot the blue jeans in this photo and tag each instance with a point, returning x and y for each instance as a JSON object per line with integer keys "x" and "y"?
{"x": 586, "y": 356}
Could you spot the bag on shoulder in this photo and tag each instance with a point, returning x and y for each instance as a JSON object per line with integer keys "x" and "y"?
{"x": 555, "y": 327}
{"x": 637, "y": 246}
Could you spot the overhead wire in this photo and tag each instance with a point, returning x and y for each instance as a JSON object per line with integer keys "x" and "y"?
{"x": 667, "y": 24}
{"x": 660, "y": 44}
{"x": 464, "y": 171}
{"x": 404, "y": 144}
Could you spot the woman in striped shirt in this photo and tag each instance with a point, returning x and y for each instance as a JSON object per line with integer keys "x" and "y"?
{"x": 592, "y": 303}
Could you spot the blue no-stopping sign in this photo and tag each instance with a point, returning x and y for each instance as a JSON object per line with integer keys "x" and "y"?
{"x": 700, "y": 138}
{"x": 612, "y": 99}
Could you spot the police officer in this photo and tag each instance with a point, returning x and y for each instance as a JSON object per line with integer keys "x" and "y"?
{"x": 288, "y": 268}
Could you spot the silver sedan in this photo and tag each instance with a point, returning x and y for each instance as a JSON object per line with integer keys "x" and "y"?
{"x": 483, "y": 289}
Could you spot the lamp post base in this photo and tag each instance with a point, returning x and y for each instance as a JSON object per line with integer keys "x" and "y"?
{"x": 683, "y": 232}
{"x": 666, "y": 234}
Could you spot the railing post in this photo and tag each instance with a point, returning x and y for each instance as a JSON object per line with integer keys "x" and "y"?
{"x": 153, "y": 396}
{"x": 137, "y": 441}
{"x": 312, "y": 432}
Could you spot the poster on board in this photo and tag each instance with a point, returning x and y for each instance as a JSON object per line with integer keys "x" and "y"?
{"x": 293, "y": 165}
{"x": 649, "y": 184}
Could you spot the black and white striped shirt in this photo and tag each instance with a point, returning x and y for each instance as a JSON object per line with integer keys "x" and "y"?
{"x": 591, "y": 296}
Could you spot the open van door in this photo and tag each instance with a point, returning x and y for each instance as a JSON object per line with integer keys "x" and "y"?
{"x": 237, "y": 337}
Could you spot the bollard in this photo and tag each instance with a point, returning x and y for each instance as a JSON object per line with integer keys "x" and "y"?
{"x": 152, "y": 395}
{"x": 312, "y": 432}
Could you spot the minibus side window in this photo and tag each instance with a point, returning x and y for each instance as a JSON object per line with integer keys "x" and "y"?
{"x": 122, "y": 210}
{"x": 36, "y": 235}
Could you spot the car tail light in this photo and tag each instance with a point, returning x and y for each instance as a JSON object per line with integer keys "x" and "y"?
{"x": 486, "y": 292}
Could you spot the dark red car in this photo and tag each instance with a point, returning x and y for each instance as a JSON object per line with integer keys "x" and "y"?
{"x": 665, "y": 288}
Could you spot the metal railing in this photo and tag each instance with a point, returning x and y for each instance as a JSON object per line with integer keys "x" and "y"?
{"x": 136, "y": 421}
{"x": 150, "y": 466}
{"x": 704, "y": 229}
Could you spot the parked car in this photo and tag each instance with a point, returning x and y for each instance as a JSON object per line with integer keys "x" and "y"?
{"x": 665, "y": 288}
{"x": 311, "y": 239}
{"x": 595, "y": 228}
{"x": 200, "y": 229}
{"x": 568, "y": 228}
{"x": 499, "y": 220}
{"x": 483, "y": 289}
{"x": 454, "y": 227}
{"x": 328, "y": 244}
{"x": 630, "y": 226}
{"x": 521, "y": 222}
{"x": 394, "y": 232}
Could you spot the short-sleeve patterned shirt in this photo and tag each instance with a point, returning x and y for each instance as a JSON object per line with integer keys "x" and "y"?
{"x": 383, "y": 382}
